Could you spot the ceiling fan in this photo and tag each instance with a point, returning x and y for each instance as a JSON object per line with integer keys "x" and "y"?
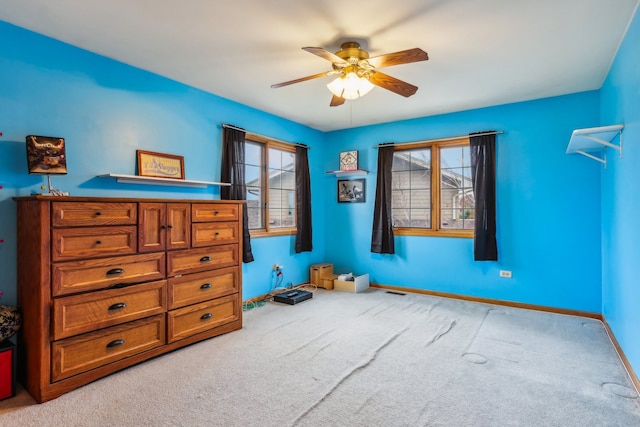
{"x": 357, "y": 73}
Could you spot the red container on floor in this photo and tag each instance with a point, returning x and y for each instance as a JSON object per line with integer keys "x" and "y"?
{"x": 7, "y": 369}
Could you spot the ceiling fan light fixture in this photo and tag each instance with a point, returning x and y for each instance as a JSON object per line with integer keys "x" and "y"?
{"x": 350, "y": 86}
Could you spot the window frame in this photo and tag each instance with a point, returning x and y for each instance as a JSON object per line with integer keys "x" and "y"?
{"x": 264, "y": 188}
{"x": 436, "y": 191}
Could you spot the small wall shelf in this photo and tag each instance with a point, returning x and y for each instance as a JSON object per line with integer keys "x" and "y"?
{"x": 586, "y": 141}
{"x": 356, "y": 172}
{"x": 135, "y": 179}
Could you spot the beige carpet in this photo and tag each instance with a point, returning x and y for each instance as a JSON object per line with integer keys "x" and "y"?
{"x": 369, "y": 359}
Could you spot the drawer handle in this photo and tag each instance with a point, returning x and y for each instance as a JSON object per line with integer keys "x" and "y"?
{"x": 98, "y": 213}
{"x": 117, "y": 306}
{"x": 115, "y": 343}
{"x": 217, "y": 233}
{"x": 216, "y": 213}
{"x": 98, "y": 242}
{"x": 205, "y": 258}
{"x": 206, "y": 286}
{"x": 115, "y": 271}
{"x": 206, "y": 316}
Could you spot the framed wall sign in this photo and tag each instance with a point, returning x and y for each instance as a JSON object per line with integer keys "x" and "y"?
{"x": 351, "y": 191}
{"x": 160, "y": 165}
{"x": 349, "y": 160}
{"x": 46, "y": 155}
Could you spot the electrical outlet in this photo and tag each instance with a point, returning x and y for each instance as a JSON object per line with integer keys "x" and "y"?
{"x": 277, "y": 267}
{"x": 505, "y": 273}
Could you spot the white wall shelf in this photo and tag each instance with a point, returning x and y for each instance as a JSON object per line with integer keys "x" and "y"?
{"x": 135, "y": 179}
{"x": 357, "y": 172}
{"x": 589, "y": 140}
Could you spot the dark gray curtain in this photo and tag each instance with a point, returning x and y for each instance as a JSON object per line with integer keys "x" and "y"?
{"x": 483, "y": 175}
{"x": 303, "y": 201}
{"x": 382, "y": 236}
{"x": 232, "y": 171}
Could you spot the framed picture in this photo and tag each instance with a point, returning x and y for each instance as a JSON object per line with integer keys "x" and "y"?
{"x": 349, "y": 160}
{"x": 351, "y": 191}
{"x": 159, "y": 165}
{"x": 46, "y": 155}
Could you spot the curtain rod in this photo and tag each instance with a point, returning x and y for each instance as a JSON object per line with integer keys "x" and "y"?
{"x": 297, "y": 144}
{"x": 450, "y": 138}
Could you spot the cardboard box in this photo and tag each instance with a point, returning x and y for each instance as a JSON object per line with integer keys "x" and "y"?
{"x": 359, "y": 284}
{"x": 327, "y": 283}
{"x": 317, "y": 272}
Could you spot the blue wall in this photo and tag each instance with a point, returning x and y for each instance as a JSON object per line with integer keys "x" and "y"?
{"x": 106, "y": 110}
{"x": 620, "y": 100}
{"x": 548, "y": 209}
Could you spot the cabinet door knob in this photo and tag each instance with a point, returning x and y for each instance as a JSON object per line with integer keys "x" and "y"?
{"x": 205, "y": 258}
{"x": 206, "y": 316}
{"x": 117, "y": 306}
{"x": 206, "y": 286}
{"x": 115, "y": 343}
{"x": 169, "y": 226}
{"x": 162, "y": 227}
{"x": 115, "y": 271}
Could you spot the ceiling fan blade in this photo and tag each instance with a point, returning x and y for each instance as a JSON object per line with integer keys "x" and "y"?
{"x": 323, "y": 53}
{"x": 394, "y": 85}
{"x": 336, "y": 100}
{"x": 397, "y": 58}
{"x": 303, "y": 79}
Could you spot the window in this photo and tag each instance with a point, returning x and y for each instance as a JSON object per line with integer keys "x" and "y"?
{"x": 270, "y": 178}
{"x": 432, "y": 191}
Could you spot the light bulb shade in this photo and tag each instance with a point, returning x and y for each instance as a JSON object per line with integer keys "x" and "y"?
{"x": 350, "y": 86}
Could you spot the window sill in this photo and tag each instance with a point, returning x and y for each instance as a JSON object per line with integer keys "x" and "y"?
{"x": 271, "y": 233}
{"x": 466, "y": 234}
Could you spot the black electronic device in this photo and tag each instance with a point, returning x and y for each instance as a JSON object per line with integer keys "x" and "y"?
{"x": 292, "y": 297}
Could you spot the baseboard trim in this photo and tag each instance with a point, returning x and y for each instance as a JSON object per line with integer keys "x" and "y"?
{"x": 621, "y": 355}
{"x": 587, "y": 314}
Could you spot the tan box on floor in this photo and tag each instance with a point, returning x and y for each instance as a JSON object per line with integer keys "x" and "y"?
{"x": 359, "y": 284}
{"x": 327, "y": 283}
{"x": 318, "y": 272}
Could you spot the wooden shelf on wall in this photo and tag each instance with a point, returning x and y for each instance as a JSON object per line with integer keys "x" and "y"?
{"x": 356, "y": 172}
{"x": 135, "y": 179}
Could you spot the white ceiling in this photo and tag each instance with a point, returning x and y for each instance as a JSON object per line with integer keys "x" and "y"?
{"x": 481, "y": 52}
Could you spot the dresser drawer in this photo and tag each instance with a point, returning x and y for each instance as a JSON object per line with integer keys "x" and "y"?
{"x": 201, "y": 259}
{"x": 72, "y": 214}
{"x": 72, "y": 356}
{"x": 79, "y": 276}
{"x": 88, "y": 312}
{"x": 92, "y": 242}
{"x": 213, "y": 233}
{"x": 205, "y": 212}
{"x": 198, "y": 287}
{"x": 193, "y": 319}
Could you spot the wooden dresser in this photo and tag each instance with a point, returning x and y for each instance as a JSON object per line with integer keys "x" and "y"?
{"x": 105, "y": 283}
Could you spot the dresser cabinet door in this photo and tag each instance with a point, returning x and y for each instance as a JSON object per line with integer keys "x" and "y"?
{"x": 163, "y": 226}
